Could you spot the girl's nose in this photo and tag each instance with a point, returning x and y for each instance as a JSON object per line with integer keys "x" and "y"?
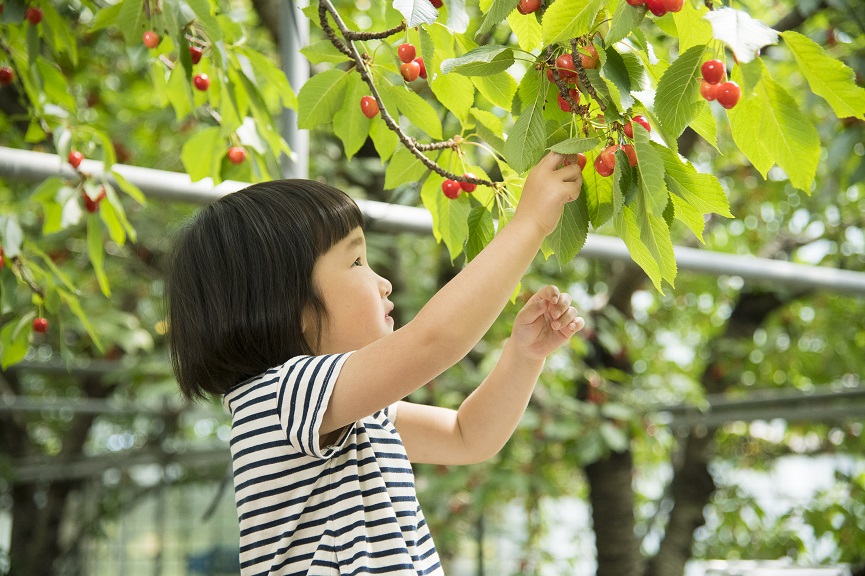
{"x": 385, "y": 286}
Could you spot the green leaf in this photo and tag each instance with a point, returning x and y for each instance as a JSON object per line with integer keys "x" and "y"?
{"x": 829, "y": 78}
{"x": 416, "y": 12}
{"x": 321, "y": 97}
{"x": 570, "y": 234}
{"x": 15, "y": 340}
{"x": 54, "y": 84}
{"x": 199, "y": 152}
{"x": 106, "y": 17}
{"x": 72, "y": 303}
{"x": 132, "y": 20}
{"x": 615, "y": 71}
{"x": 350, "y": 124}
{"x": 112, "y": 223}
{"x": 97, "y": 254}
{"x": 61, "y": 37}
{"x": 179, "y": 94}
{"x": 323, "y": 51}
{"x": 651, "y": 172}
{"x": 403, "y": 167}
{"x": 527, "y": 141}
{"x": 678, "y": 94}
{"x": 648, "y": 240}
{"x": 598, "y": 192}
{"x": 450, "y": 217}
{"x": 418, "y": 111}
{"x": 33, "y": 248}
{"x": 383, "y": 138}
{"x": 483, "y": 61}
{"x": 705, "y": 125}
{"x": 497, "y": 12}
{"x": 456, "y": 93}
{"x": 131, "y": 189}
{"x": 527, "y": 30}
{"x": 575, "y": 145}
{"x": 691, "y": 28}
{"x": 481, "y": 231}
{"x": 624, "y": 182}
{"x": 625, "y": 19}
{"x": 569, "y": 19}
{"x": 13, "y": 236}
{"x": 693, "y": 194}
{"x": 206, "y": 19}
{"x": 498, "y": 89}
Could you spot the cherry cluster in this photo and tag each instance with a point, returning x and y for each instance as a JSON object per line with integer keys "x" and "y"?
{"x": 712, "y": 88}
{"x": 659, "y": 7}
{"x": 452, "y": 189}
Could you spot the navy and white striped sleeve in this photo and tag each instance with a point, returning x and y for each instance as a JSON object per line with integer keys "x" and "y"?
{"x": 306, "y": 383}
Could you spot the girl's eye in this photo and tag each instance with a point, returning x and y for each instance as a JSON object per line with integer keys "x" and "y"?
{"x": 357, "y": 262}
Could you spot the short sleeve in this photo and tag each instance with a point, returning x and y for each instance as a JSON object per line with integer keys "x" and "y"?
{"x": 306, "y": 383}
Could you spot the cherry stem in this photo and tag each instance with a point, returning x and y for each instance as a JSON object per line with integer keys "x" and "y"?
{"x": 350, "y": 50}
{"x": 581, "y": 72}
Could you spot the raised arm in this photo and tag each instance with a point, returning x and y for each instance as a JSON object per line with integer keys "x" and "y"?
{"x": 459, "y": 314}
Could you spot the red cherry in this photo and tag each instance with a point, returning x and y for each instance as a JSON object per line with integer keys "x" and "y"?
{"x": 436, "y": 3}
{"x": 2, "y": 258}
{"x": 40, "y": 325}
{"x": 713, "y": 71}
{"x": 201, "y": 81}
{"x": 673, "y": 5}
{"x": 528, "y": 6}
{"x": 410, "y": 70}
{"x": 90, "y": 204}
{"x": 7, "y": 75}
{"x": 33, "y": 15}
{"x": 369, "y": 106}
{"x": 451, "y": 189}
{"x": 656, "y": 7}
{"x": 195, "y": 54}
{"x": 709, "y": 91}
{"x": 581, "y": 160}
{"x": 591, "y": 60}
{"x": 563, "y": 104}
{"x": 636, "y": 2}
{"x": 639, "y": 119}
{"x": 468, "y": 186}
{"x": 236, "y": 154}
{"x": 406, "y": 52}
{"x": 75, "y": 158}
{"x": 629, "y": 151}
{"x": 422, "y": 67}
{"x": 601, "y": 168}
{"x": 565, "y": 64}
{"x": 728, "y": 94}
{"x": 150, "y": 39}
{"x": 608, "y": 156}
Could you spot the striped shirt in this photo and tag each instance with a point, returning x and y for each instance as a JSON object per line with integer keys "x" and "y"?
{"x": 344, "y": 509}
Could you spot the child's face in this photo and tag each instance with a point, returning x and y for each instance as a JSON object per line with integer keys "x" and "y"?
{"x": 355, "y": 297}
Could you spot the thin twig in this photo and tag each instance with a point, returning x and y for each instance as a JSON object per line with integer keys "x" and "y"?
{"x": 18, "y": 266}
{"x": 410, "y": 143}
{"x": 584, "y": 78}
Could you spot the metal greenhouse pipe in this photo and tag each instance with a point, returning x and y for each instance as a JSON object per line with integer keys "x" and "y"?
{"x": 23, "y": 165}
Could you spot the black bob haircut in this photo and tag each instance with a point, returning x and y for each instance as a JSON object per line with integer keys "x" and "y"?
{"x": 240, "y": 278}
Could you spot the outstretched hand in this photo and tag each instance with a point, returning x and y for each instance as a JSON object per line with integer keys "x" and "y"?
{"x": 546, "y": 322}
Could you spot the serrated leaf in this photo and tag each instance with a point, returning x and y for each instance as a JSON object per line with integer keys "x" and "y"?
{"x": 648, "y": 240}
{"x": 198, "y": 153}
{"x": 323, "y": 51}
{"x": 615, "y": 71}
{"x": 575, "y": 145}
{"x": 403, "y": 167}
{"x": 527, "y": 30}
{"x": 481, "y": 231}
{"x": 744, "y": 35}
{"x": 498, "y": 89}
{"x": 416, "y": 12}
{"x": 705, "y": 125}
{"x": 206, "y": 19}
{"x": 498, "y": 11}
{"x": 418, "y": 111}
{"x": 678, "y": 93}
{"x": 636, "y": 71}
{"x": 691, "y": 28}
{"x": 482, "y": 61}
{"x": 106, "y": 17}
{"x": 569, "y": 19}
{"x": 625, "y": 19}
{"x": 526, "y": 142}
{"x": 321, "y": 97}
{"x": 651, "y": 172}
{"x": 829, "y": 78}
{"x": 624, "y": 177}
{"x": 569, "y": 236}
{"x": 131, "y": 20}
{"x": 97, "y": 254}
{"x": 384, "y": 139}
{"x": 350, "y": 124}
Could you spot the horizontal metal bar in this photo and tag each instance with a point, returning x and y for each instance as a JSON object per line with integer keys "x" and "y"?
{"x": 24, "y": 165}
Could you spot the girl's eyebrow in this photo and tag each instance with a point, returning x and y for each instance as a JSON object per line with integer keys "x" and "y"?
{"x": 357, "y": 241}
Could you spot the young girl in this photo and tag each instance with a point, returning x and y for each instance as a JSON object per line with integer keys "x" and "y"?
{"x": 273, "y": 305}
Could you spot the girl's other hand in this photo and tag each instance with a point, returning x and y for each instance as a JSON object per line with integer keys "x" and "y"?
{"x": 546, "y": 322}
{"x": 548, "y": 187}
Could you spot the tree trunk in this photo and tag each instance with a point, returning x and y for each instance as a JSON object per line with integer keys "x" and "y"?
{"x": 612, "y": 500}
